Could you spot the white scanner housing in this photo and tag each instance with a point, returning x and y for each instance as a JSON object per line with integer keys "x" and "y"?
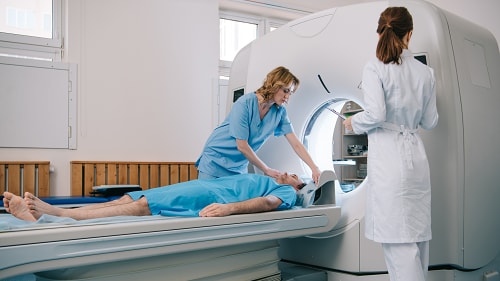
{"x": 463, "y": 150}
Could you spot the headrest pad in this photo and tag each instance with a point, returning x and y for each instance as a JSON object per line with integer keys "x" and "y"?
{"x": 305, "y": 196}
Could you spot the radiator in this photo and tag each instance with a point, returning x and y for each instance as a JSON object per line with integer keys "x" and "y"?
{"x": 25, "y": 176}
{"x": 87, "y": 174}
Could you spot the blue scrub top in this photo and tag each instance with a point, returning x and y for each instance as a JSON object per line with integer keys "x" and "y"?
{"x": 189, "y": 198}
{"x": 220, "y": 156}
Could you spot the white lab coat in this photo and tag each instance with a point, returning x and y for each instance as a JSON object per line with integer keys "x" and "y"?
{"x": 398, "y": 100}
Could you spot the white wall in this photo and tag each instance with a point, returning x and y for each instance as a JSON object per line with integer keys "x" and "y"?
{"x": 146, "y": 78}
{"x": 484, "y": 13}
{"x": 146, "y": 71}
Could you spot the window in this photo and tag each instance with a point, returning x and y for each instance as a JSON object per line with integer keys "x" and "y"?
{"x": 35, "y": 84}
{"x": 237, "y": 31}
{"x": 234, "y": 35}
{"x": 31, "y": 29}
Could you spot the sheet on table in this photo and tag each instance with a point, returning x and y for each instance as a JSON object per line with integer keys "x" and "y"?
{"x": 9, "y": 222}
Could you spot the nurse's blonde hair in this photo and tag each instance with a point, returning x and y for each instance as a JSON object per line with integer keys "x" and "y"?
{"x": 277, "y": 78}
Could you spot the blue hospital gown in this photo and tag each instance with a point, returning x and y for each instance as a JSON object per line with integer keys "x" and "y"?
{"x": 220, "y": 156}
{"x": 189, "y": 198}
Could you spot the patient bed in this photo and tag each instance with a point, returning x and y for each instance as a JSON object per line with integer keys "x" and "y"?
{"x": 239, "y": 247}
{"x": 129, "y": 245}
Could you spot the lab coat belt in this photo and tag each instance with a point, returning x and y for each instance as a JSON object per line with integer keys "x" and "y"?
{"x": 408, "y": 139}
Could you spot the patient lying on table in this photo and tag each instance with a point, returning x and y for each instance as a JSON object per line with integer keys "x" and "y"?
{"x": 238, "y": 194}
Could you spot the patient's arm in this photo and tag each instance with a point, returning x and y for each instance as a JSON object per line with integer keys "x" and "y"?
{"x": 255, "y": 205}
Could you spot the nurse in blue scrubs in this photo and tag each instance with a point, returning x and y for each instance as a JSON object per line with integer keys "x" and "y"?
{"x": 253, "y": 118}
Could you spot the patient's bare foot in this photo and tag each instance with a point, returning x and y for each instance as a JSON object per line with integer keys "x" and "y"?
{"x": 17, "y": 207}
{"x": 37, "y": 207}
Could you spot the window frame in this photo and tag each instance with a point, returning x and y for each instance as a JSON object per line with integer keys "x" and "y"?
{"x": 25, "y": 46}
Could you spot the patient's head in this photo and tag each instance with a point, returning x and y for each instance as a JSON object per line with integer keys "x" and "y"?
{"x": 291, "y": 179}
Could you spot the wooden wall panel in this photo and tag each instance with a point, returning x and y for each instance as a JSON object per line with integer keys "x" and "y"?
{"x": 29, "y": 178}
{"x": 87, "y": 174}
{"x": 25, "y": 176}
{"x": 76, "y": 186}
{"x": 43, "y": 180}
{"x": 14, "y": 179}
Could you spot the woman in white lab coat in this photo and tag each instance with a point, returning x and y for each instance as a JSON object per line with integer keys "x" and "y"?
{"x": 400, "y": 97}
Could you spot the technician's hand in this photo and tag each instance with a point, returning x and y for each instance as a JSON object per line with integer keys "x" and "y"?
{"x": 216, "y": 210}
{"x": 348, "y": 123}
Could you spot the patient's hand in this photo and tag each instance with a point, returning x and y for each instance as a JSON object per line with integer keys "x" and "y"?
{"x": 254, "y": 205}
{"x": 216, "y": 210}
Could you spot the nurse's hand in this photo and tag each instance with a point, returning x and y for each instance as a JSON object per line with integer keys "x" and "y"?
{"x": 315, "y": 175}
{"x": 272, "y": 173}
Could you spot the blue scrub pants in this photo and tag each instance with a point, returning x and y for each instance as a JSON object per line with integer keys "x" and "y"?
{"x": 407, "y": 261}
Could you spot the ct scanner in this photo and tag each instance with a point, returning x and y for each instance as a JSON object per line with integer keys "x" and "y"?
{"x": 327, "y": 51}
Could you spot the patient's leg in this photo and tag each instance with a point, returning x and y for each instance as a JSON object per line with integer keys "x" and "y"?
{"x": 17, "y": 207}
{"x": 39, "y": 207}
{"x": 124, "y": 206}
{"x": 122, "y": 200}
